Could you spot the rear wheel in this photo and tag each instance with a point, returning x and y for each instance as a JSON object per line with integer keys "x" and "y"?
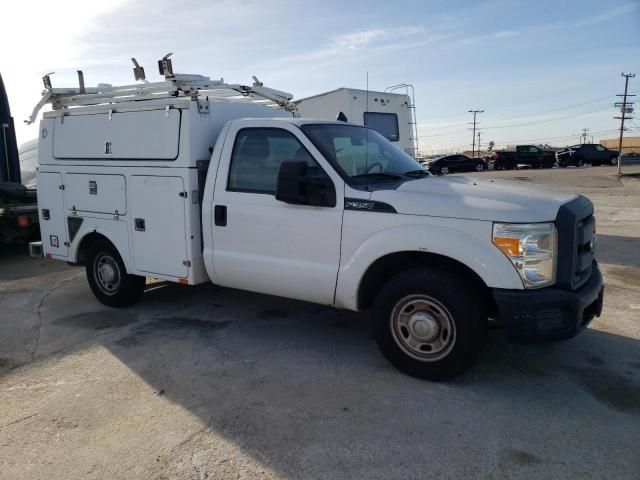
{"x": 108, "y": 277}
{"x": 444, "y": 170}
{"x": 429, "y": 324}
{"x": 480, "y": 167}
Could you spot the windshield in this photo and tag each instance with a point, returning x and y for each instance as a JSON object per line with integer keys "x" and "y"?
{"x": 360, "y": 152}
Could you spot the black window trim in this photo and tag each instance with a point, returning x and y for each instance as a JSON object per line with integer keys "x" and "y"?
{"x": 263, "y": 192}
{"x": 395, "y": 116}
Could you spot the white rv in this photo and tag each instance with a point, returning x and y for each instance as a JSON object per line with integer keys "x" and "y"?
{"x": 390, "y": 114}
{"x": 176, "y": 180}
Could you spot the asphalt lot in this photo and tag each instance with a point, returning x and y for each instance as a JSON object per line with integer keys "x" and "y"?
{"x": 203, "y": 382}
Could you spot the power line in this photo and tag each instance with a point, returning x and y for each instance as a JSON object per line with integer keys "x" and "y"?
{"x": 558, "y": 109}
{"x": 518, "y": 124}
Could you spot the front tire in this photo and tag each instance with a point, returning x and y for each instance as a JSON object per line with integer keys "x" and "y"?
{"x": 430, "y": 324}
{"x": 108, "y": 277}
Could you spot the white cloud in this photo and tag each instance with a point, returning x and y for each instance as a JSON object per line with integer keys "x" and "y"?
{"x": 360, "y": 39}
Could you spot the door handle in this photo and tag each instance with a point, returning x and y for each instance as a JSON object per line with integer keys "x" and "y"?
{"x": 220, "y": 215}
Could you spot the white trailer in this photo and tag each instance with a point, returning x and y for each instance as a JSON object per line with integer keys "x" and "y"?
{"x": 390, "y": 114}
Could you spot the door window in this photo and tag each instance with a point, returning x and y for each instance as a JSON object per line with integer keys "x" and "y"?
{"x": 599, "y": 148}
{"x": 257, "y": 155}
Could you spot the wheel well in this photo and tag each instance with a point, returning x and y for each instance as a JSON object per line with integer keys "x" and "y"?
{"x": 86, "y": 243}
{"x": 390, "y": 265}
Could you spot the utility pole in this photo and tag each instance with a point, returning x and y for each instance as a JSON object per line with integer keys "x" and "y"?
{"x": 585, "y": 133}
{"x": 473, "y": 148}
{"x": 625, "y": 107}
{"x": 478, "y": 142}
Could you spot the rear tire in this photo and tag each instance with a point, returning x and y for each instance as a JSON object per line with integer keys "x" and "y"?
{"x": 430, "y": 324}
{"x": 108, "y": 277}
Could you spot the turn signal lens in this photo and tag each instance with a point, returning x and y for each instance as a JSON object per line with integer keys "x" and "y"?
{"x": 509, "y": 246}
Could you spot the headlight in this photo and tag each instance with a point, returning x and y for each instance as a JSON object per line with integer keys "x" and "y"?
{"x": 531, "y": 247}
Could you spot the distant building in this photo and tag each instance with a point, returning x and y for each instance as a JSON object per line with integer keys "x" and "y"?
{"x": 629, "y": 144}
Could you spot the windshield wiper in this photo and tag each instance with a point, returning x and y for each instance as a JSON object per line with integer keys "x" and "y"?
{"x": 381, "y": 175}
{"x": 421, "y": 172}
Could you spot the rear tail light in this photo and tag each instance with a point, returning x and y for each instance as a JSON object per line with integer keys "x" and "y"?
{"x": 23, "y": 221}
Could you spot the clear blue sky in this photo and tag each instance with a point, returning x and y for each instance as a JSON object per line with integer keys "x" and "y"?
{"x": 517, "y": 60}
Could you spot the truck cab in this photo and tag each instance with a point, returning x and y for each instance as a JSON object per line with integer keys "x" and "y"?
{"x": 192, "y": 188}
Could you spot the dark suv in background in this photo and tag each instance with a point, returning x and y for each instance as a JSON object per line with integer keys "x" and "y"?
{"x": 592, "y": 153}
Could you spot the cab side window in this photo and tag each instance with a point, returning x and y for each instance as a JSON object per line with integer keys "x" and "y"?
{"x": 257, "y": 155}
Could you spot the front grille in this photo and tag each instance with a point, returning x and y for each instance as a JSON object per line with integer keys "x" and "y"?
{"x": 576, "y": 229}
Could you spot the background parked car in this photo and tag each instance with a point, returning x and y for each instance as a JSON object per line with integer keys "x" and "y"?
{"x": 630, "y": 158}
{"x": 592, "y": 153}
{"x": 455, "y": 164}
{"x": 525, "y": 155}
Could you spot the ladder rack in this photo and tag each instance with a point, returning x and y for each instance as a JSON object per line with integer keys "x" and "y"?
{"x": 175, "y": 85}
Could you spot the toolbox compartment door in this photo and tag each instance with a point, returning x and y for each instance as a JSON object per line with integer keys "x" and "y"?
{"x": 53, "y": 220}
{"x": 96, "y": 193}
{"x": 141, "y": 135}
{"x": 159, "y": 225}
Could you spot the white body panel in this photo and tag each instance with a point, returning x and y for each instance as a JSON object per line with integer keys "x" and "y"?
{"x": 53, "y": 218}
{"x": 108, "y": 135}
{"x": 159, "y": 230}
{"x": 354, "y": 103}
{"x": 93, "y": 193}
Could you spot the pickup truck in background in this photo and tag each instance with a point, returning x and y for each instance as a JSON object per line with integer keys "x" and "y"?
{"x": 591, "y": 153}
{"x": 530, "y": 155}
{"x": 192, "y": 188}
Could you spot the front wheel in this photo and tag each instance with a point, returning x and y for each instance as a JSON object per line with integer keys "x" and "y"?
{"x": 429, "y": 324}
{"x": 480, "y": 167}
{"x": 108, "y": 277}
{"x": 444, "y": 170}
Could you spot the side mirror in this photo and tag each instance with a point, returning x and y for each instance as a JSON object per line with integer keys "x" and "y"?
{"x": 297, "y": 187}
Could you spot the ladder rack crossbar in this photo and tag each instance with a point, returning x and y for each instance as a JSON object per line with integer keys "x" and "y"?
{"x": 190, "y": 86}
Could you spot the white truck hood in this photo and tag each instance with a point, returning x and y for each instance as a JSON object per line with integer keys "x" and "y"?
{"x": 472, "y": 198}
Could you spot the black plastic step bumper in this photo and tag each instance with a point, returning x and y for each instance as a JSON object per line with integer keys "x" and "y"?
{"x": 550, "y": 313}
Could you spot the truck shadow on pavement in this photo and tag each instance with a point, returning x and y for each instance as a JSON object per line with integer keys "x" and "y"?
{"x": 304, "y": 390}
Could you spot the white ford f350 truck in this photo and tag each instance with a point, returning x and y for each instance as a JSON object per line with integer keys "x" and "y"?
{"x": 192, "y": 180}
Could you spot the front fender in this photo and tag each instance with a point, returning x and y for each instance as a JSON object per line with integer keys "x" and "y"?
{"x": 473, "y": 249}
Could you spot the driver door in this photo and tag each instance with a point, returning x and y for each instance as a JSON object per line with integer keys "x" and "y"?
{"x": 265, "y": 245}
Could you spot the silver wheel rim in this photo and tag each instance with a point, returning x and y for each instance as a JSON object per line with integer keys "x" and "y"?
{"x": 423, "y": 328}
{"x": 444, "y": 170}
{"x": 479, "y": 168}
{"x": 106, "y": 274}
